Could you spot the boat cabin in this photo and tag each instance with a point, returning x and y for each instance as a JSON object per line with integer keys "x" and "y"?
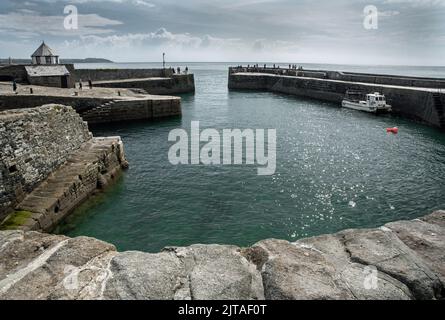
{"x": 376, "y": 98}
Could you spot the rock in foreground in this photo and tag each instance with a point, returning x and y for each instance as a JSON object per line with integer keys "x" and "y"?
{"x": 402, "y": 260}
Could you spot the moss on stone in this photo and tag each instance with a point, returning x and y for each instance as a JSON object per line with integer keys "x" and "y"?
{"x": 16, "y": 220}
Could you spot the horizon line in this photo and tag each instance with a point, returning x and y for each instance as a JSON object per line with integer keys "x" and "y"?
{"x": 246, "y": 62}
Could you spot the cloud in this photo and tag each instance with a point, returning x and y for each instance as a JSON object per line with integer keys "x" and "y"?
{"x": 218, "y": 30}
{"x": 389, "y": 13}
{"x": 209, "y": 41}
{"x": 161, "y": 37}
{"x": 143, "y": 3}
{"x": 417, "y": 3}
{"x": 26, "y": 21}
{"x": 133, "y": 2}
{"x": 178, "y": 46}
{"x": 246, "y": 3}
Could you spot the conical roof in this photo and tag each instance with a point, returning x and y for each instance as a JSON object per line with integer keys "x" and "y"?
{"x": 43, "y": 51}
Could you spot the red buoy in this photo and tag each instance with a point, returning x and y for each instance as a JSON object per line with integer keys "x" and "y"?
{"x": 394, "y": 130}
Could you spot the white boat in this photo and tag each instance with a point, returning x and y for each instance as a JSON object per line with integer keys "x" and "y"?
{"x": 374, "y": 102}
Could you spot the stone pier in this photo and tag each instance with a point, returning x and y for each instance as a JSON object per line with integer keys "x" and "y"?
{"x": 175, "y": 84}
{"x": 406, "y": 95}
{"x": 96, "y": 105}
{"x": 152, "y": 81}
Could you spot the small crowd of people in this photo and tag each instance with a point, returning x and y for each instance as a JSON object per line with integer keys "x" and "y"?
{"x": 90, "y": 84}
{"x": 275, "y": 66}
{"x": 294, "y": 67}
{"x": 178, "y": 70}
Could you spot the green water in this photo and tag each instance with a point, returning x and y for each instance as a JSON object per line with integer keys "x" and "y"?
{"x": 336, "y": 169}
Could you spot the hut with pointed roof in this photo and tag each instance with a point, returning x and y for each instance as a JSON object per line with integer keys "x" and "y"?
{"x": 44, "y": 55}
{"x": 46, "y": 70}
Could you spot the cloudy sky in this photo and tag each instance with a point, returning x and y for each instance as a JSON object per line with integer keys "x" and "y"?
{"x": 326, "y": 31}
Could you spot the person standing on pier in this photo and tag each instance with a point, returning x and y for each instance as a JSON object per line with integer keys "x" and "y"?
{"x": 179, "y": 70}
{"x": 186, "y": 69}
{"x": 14, "y": 86}
{"x": 90, "y": 84}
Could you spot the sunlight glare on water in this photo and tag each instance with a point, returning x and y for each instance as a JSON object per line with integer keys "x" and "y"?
{"x": 336, "y": 169}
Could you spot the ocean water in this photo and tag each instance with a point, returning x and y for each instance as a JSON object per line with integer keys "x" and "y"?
{"x": 336, "y": 169}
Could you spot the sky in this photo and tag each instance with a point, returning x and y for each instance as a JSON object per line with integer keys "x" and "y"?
{"x": 409, "y": 32}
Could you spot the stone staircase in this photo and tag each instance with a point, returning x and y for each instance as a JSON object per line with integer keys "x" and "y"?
{"x": 102, "y": 110}
{"x": 98, "y": 160}
{"x": 438, "y": 105}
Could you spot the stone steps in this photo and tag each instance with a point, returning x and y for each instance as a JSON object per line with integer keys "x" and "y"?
{"x": 52, "y": 199}
{"x": 102, "y": 109}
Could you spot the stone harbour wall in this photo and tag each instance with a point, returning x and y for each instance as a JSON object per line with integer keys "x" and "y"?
{"x": 119, "y": 74}
{"x": 33, "y": 143}
{"x": 384, "y": 79}
{"x": 173, "y": 85}
{"x": 21, "y": 101}
{"x": 136, "y": 109}
{"x": 426, "y": 106}
{"x": 11, "y": 72}
{"x": 405, "y": 260}
{"x": 102, "y": 110}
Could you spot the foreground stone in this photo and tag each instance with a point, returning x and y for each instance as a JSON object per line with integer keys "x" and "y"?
{"x": 401, "y": 260}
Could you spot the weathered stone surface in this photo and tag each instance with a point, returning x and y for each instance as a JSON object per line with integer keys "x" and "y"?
{"x": 384, "y": 250}
{"x": 195, "y": 272}
{"x": 220, "y": 272}
{"x": 437, "y": 217}
{"x": 426, "y": 239}
{"x": 41, "y": 266}
{"x": 18, "y": 249}
{"x": 137, "y": 275}
{"x": 320, "y": 268}
{"x": 355, "y": 275}
{"x": 295, "y": 272}
{"x": 402, "y": 260}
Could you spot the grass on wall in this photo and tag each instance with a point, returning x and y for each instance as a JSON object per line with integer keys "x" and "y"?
{"x": 15, "y": 220}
